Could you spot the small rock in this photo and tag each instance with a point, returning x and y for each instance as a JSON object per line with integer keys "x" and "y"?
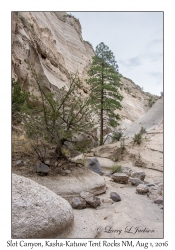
{"x": 19, "y": 163}
{"x": 140, "y": 175}
{"x": 160, "y": 185}
{"x": 93, "y": 201}
{"x": 154, "y": 190}
{"x": 85, "y": 194}
{"x": 135, "y": 181}
{"x": 150, "y": 185}
{"x": 108, "y": 174}
{"x": 94, "y": 165}
{"x": 142, "y": 189}
{"x": 78, "y": 203}
{"x": 67, "y": 171}
{"x": 90, "y": 199}
{"x": 42, "y": 169}
{"x": 127, "y": 171}
{"x": 120, "y": 178}
{"x": 147, "y": 181}
{"x": 115, "y": 197}
{"x": 47, "y": 162}
{"x": 107, "y": 201}
{"x": 159, "y": 200}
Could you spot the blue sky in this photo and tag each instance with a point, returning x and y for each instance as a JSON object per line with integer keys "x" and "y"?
{"x": 135, "y": 38}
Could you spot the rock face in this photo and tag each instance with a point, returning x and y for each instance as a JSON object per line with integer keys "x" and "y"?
{"x": 150, "y": 120}
{"x": 93, "y": 164}
{"x": 120, "y": 178}
{"x": 53, "y": 43}
{"x": 37, "y": 212}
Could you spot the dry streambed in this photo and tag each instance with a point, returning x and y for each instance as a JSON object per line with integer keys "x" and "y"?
{"x": 135, "y": 216}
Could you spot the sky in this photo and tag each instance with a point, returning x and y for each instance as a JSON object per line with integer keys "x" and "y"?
{"x": 136, "y": 40}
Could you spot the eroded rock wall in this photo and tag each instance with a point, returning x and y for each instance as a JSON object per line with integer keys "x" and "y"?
{"x": 52, "y": 43}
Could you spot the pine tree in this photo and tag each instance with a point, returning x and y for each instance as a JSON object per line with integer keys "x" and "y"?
{"x": 104, "y": 81}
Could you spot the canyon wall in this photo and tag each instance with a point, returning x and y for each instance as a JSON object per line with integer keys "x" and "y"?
{"x": 52, "y": 43}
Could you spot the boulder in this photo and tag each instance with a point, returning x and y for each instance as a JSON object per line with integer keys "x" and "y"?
{"x": 37, "y": 212}
{"x": 71, "y": 185}
{"x": 94, "y": 165}
{"x": 78, "y": 203}
{"x": 42, "y": 169}
{"x": 142, "y": 189}
{"x": 120, "y": 178}
{"x": 135, "y": 181}
{"x": 115, "y": 197}
{"x": 140, "y": 175}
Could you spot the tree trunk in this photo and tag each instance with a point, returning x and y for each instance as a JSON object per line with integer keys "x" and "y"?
{"x": 58, "y": 151}
{"x": 101, "y": 111}
{"x": 101, "y": 127}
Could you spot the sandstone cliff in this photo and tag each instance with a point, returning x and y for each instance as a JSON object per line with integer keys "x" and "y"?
{"x": 52, "y": 42}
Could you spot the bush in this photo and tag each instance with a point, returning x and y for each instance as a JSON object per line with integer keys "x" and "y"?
{"x": 116, "y": 136}
{"x": 20, "y": 97}
{"x": 116, "y": 169}
{"x": 24, "y": 21}
{"x": 138, "y": 138}
{"x": 142, "y": 130}
{"x": 151, "y": 102}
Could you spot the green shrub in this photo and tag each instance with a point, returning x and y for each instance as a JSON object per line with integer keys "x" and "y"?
{"x": 142, "y": 130}
{"x": 116, "y": 169}
{"x": 138, "y": 138}
{"x": 151, "y": 102}
{"x": 24, "y": 21}
{"x": 116, "y": 136}
{"x": 19, "y": 96}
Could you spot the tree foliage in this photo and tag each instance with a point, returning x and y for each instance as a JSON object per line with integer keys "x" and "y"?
{"x": 104, "y": 81}
{"x": 59, "y": 118}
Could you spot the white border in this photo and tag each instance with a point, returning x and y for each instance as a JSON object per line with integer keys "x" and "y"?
{"x": 5, "y": 93}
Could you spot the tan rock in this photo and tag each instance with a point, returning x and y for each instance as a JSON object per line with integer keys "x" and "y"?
{"x": 139, "y": 175}
{"x": 142, "y": 189}
{"x": 120, "y": 178}
{"x": 37, "y": 212}
{"x": 71, "y": 185}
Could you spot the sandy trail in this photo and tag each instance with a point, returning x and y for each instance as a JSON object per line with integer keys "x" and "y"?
{"x": 135, "y": 216}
